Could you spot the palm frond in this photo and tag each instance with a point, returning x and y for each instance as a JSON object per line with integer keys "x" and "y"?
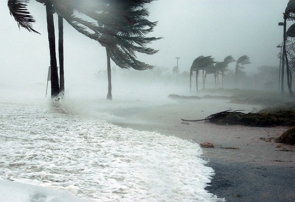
{"x": 291, "y": 31}
{"x": 290, "y": 7}
{"x": 18, "y": 9}
{"x": 244, "y": 60}
{"x": 202, "y": 62}
{"x": 229, "y": 59}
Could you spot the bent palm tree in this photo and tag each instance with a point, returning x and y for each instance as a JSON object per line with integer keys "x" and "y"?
{"x": 200, "y": 63}
{"x": 18, "y": 9}
{"x": 222, "y": 66}
{"x": 211, "y": 69}
{"x": 243, "y": 60}
{"x": 122, "y": 33}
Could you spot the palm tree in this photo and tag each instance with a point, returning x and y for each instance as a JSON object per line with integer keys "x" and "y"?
{"x": 120, "y": 26}
{"x": 18, "y": 9}
{"x": 199, "y": 64}
{"x": 123, "y": 32}
{"x": 243, "y": 60}
{"x": 289, "y": 14}
{"x": 222, "y": 66}
{"x": 211, "y": 69}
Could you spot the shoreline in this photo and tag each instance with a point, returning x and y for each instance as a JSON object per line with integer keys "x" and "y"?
{"x": 248, "y": 166}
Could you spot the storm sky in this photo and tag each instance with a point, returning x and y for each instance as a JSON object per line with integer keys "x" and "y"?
{"x": 189, "y": 28}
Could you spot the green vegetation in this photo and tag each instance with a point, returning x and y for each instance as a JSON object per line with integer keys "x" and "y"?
{"x": 260, "y": 119}
{"x": 287, "y": 137}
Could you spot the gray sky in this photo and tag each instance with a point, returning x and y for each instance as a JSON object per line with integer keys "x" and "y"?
{"x": 189, "y": 28}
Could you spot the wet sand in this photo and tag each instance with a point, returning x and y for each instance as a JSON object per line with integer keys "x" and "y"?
{"x": 248, "y": 165}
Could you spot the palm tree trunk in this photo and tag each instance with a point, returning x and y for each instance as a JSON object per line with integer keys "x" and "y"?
{"x": 61, "y": 54}
{"x": 215, "y": 79}
{"x": 190, "y": 79}
{"x": 236, "y": 78}
{"x": 109, "y": 96}
{"x": 289, "y": 75}
{"x": 203, "y": 75}
{"x": 51, "y": 40}
{"x": 197, "y": 75}
{"x": 222, "y": 78}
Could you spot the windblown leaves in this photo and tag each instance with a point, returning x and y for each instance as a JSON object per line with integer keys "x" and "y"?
{"x": 118, "y": 25}
{"x": 201, "y": 62}
{"x": 290, "y": 7}
{"x": 243, "y": 60}
{"x": 291, "y": 31}
{"x": 18, "y": 9}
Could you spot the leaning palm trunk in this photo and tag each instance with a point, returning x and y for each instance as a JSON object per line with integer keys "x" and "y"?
{"x": 203, "y": 76}
{"x": 197, "y": 76}
{"x": 215, "y": 77}
{"x": 109, "y": 96}
{"x": 51, "y": 38}
{"x": 289, "y": 75}
{"x": 236, "y": 77}
{"x": 222, "y": 78}
{"x": 190, "y": 79}
{"x": 61, "y": 54}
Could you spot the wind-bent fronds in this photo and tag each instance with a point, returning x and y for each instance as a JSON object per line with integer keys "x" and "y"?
{"x": 290, "y": 7}
{"x": 124, "y": 29}
{"x": 118, "y": 25}
{"x": 229, "y": 59}
{"x": 18, "y": 9}
{"x": 200, "y": 63}
{"x": 291, "y": 31}
{"x": 243, "y": 60}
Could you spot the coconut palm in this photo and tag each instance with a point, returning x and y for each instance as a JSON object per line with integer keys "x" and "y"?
{"x": 200, "y": 63}
{"x": 243, "y": 60}
{"x": 222, "y": 66}
{"x": 289, "y": 14}
{"x": 18, "y": 9}
{"x": 119, "y": 26}
{"x": 211, "y": 69}
{"x": 124, "y": 34}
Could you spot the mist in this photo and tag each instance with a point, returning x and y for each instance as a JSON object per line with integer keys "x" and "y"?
{"x": 135, "y": 147}
{"x": 189, "y": 29}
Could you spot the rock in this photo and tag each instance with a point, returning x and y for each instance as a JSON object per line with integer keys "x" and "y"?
{"x": 207, "y": 145}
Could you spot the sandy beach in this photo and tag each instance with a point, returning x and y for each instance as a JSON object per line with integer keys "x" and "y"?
{"x": 249, "y": 165}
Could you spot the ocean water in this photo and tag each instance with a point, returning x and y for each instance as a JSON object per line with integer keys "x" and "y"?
{"x": 69, "y": 152}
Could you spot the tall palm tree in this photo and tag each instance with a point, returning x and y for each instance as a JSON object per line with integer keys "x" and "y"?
{"x": 222, "y": 66}
{"x": 288, "y": 14}
{"x": 199, "y": 64}
{"x": 243, "y": 60}
{"x": 122, "y": 33}
{"x": 18, "y": 9}
{"x": 211, "y": 69}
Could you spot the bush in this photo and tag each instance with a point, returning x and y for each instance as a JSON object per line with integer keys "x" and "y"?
{"x": 287, "y": 137}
